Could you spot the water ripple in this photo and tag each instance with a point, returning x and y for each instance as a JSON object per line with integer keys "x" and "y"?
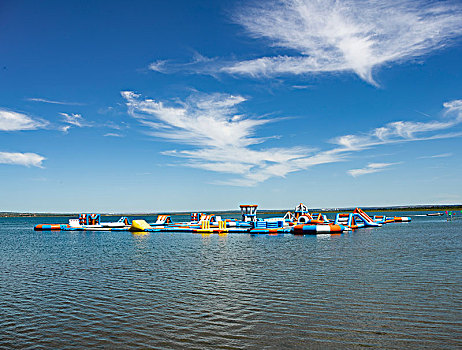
{"x": 399, "y": 286}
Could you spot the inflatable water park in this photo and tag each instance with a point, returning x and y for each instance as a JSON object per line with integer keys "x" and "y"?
{"x": 298, "y": 222}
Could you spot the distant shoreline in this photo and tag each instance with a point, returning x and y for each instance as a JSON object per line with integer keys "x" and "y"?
{"x": 455, "y": 207}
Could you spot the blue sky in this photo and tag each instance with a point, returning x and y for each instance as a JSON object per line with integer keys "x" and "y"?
{"x": 202, "y": 105}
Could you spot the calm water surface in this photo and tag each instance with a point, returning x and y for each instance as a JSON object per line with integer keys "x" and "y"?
{"x": 398, "y": 286}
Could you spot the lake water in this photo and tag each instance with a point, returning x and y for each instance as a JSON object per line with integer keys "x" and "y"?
{"x": 398, "y": 286}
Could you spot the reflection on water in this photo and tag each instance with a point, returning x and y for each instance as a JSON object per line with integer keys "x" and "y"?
{"x": 396, "y": 286}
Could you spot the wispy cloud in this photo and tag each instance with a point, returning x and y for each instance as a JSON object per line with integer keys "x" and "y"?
{"x": 26, "y": 159}
{"x": 370, "y": 169}
{"x": 442, "y": 155}
{"x": 406, "y": 131}
{"x": 36, "y": 99}
{"x": 14, "y": 121}
{"x": 225, "y": 141}
{"x": 346, "y": 35}
{"x": 158, "y": 66}
{"x": 301, "y": 87}
{"x": 199, "y": 64}
{"x": 73, "y": 119}
{"x": 76, "y": 120}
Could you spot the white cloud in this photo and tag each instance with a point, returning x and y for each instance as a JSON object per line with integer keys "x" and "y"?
{"x": 301, "y": 87}
{"x": 113, "y": 134}
{"x": 65, "y": 128}
{"x": 27, "y": 159}
{"x": 14, "y": 121}
{"x": 346, "y": 35}
{"x": 405, "y": 131}
{"x": 73, "y": 119}
{"x": 158, "y": 66}
{"x": 199, "y": 64}
{"x": 201, "y": 120}
{"x": 442, "y": 155}
{"x": 370, "y": 169}
{"x": 36, "y": 99}
{"x": 222, "y": 140}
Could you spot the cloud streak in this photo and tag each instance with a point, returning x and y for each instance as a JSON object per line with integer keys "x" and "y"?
{"x": 36, "y": 99}
{"x": 26, "y": 159}
{"x": 347, "y": 35}
{"x": 406, "y": 131}
{"x": 370, "y": 169}
{"x": 14, "y": 121}
{"x": 73, "y": 119}
{"x": 224, "y": 140}
{"x": 199, "y": 64}
{"x": 442, "y": 155}
{"x": 218, "y": 138}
